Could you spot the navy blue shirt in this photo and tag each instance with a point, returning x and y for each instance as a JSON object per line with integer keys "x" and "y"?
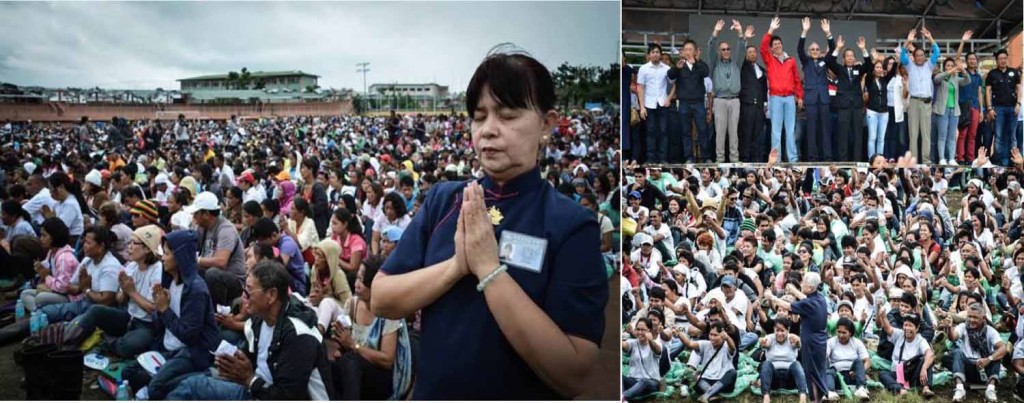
{"x": 463, "y": 354}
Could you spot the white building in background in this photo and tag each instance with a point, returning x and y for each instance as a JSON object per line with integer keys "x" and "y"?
{"x": 429, "y": 90}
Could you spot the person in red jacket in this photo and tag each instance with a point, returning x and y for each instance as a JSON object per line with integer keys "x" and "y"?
{"x": 785, "y": 91}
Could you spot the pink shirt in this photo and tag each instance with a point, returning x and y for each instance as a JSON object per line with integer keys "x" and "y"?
{"x": 62, "y": 265}
{"x": 352, "y": 244}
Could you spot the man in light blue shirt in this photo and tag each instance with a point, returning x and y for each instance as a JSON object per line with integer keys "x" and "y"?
{"x": 920, "y": 87}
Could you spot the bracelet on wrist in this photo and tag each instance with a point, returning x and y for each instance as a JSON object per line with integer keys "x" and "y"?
{"x": 487, "y": 279}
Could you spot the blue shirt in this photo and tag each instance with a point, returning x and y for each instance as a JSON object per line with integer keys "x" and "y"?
{"x": 969, "y": 93}
{"x": 296, "y": 269}
{"x": 919, "y": 78}
{"x": 464, "y": 355}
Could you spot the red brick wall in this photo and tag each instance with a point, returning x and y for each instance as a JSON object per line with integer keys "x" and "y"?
{"x": 54, "y": 111}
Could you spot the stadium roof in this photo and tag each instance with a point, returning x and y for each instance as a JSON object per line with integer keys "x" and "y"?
{"x": 945, "y": 18}
{"x": 253, "y": 74}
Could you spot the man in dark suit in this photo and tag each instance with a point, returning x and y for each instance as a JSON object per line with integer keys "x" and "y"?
{"x": 850, "y": 100}
{"x": 816, "y": 100}
{"x": 753, "y": 94}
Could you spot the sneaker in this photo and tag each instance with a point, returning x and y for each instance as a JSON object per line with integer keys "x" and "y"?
{"x": 943, "y": 162}
{"x": 684, "y": 391}
{"x": 990, "y": 394}
{"x": 861, "y": 393}
{"x": 832, "y": 397}
{"x": 959, "y": 394}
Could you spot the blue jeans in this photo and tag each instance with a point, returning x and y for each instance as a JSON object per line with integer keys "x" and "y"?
{"x": 855, "y": 376}
{"x": 946, "y": 127}
{"x": 712, "y": 387}
{"x": 657, "y": 139}
{"x": 205, "y": 387}
{"x": 783, "y": 378}
{"x": 783, "y": 113}
{"x": 747, "y": 339}
{"x": 177, "y": 368}
{"x": 67, "y": 311}
{"x": 636, "y": 387}
{"x": 697, "y": 112}
{"x": 1005, "y": 139}
{"x": 966, "y": 369}
{"x": 134, "y": 336}
{"x": 878, "y": 123}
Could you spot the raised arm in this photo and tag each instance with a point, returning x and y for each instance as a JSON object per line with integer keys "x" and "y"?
{"x": 713, "y": 61}
{"x": 806, "y": 25}
{"x": 963, "y": 40}
{"x": 934, "y": 58}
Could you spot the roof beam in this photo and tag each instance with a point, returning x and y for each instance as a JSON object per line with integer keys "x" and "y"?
{"x": 998, "y": 16}
{"x": 920, "y": 23}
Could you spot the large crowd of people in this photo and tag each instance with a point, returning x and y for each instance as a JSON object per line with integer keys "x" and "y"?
{"x": 823, "y": 282}
{"x": 746, "y": 96}
{"x": 268, "y": 234}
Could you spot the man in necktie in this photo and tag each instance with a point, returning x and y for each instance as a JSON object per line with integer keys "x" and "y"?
{"x": 816, "y": 98}
{"x": 849, "y": 143}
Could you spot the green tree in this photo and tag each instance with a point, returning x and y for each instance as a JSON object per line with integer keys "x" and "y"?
{"x": 232, "y": 80}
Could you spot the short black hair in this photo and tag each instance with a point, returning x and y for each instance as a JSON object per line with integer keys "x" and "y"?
{"x": 775, "y": 38}
{"x": 102, "y": 236}
{"x": 397, "y": 203}
{"x": 651, "y": 47}
{"x": 848, "y": 324}
{"x": 271, "y": 275}
{"x": 272, "y": 205}
{"x": 252, "y": 207}
{"x": 1001, "y": 52}
{"x": 514, "y": 80}
{"x": 264, "y": 228}
{"x": 657, "y": 292}
{"x": 312, "y": 163}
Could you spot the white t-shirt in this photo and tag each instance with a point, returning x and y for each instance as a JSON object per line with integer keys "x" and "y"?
{"x": 739, "y": 303}
{"x": 637, "y": 213}
{"x": 381, "y": 222}
{"x": 104, "y": 274}
{"x": 722, "y": 363}
{"x": 841, "y": 356}
{"x": 647, "y": 264}
{"x": 910, "y": 349}
{"x": 263, "y": 351}
{"x": 643, "y": 362}
{"x": 668, "y": 242}
{"x": 144, "y": 281}
{"x": 171, "y": 342}
{"x": 991, "y": 337}
{"x": 780, "y": 355}
{"x": 255, "y": 193}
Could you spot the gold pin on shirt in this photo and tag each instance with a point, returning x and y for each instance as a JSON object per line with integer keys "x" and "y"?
{"x": 496, "y": 216}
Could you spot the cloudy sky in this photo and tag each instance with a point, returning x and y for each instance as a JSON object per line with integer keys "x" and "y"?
{"x": 150, "y": 45}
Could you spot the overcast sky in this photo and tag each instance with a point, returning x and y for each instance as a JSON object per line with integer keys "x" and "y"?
{"x": 150, "y": 45}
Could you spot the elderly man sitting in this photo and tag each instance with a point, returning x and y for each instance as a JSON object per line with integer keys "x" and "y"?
{"x": 977, "y": 359}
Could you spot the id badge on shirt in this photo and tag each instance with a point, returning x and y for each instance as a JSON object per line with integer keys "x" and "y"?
{"x": 522, "y": 251}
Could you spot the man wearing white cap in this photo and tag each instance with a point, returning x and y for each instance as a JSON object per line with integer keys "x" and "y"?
{"x": 221, "y": 255}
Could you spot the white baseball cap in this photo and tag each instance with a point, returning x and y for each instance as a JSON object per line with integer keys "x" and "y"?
{"x": 205, "y": 201}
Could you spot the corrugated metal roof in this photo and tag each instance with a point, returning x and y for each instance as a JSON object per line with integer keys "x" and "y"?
{"x": 252, "y": 74}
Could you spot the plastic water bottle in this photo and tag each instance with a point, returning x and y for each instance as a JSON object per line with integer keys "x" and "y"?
{"x": 19, "y": 310}
{"x": 44, "y": 321}
{"x": 27, "y": 285}
{"x": 123, "y": 391}
{"x": 33, "y": 323}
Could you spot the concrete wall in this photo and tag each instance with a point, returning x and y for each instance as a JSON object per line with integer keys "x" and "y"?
{"x": 54, "y": 112}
